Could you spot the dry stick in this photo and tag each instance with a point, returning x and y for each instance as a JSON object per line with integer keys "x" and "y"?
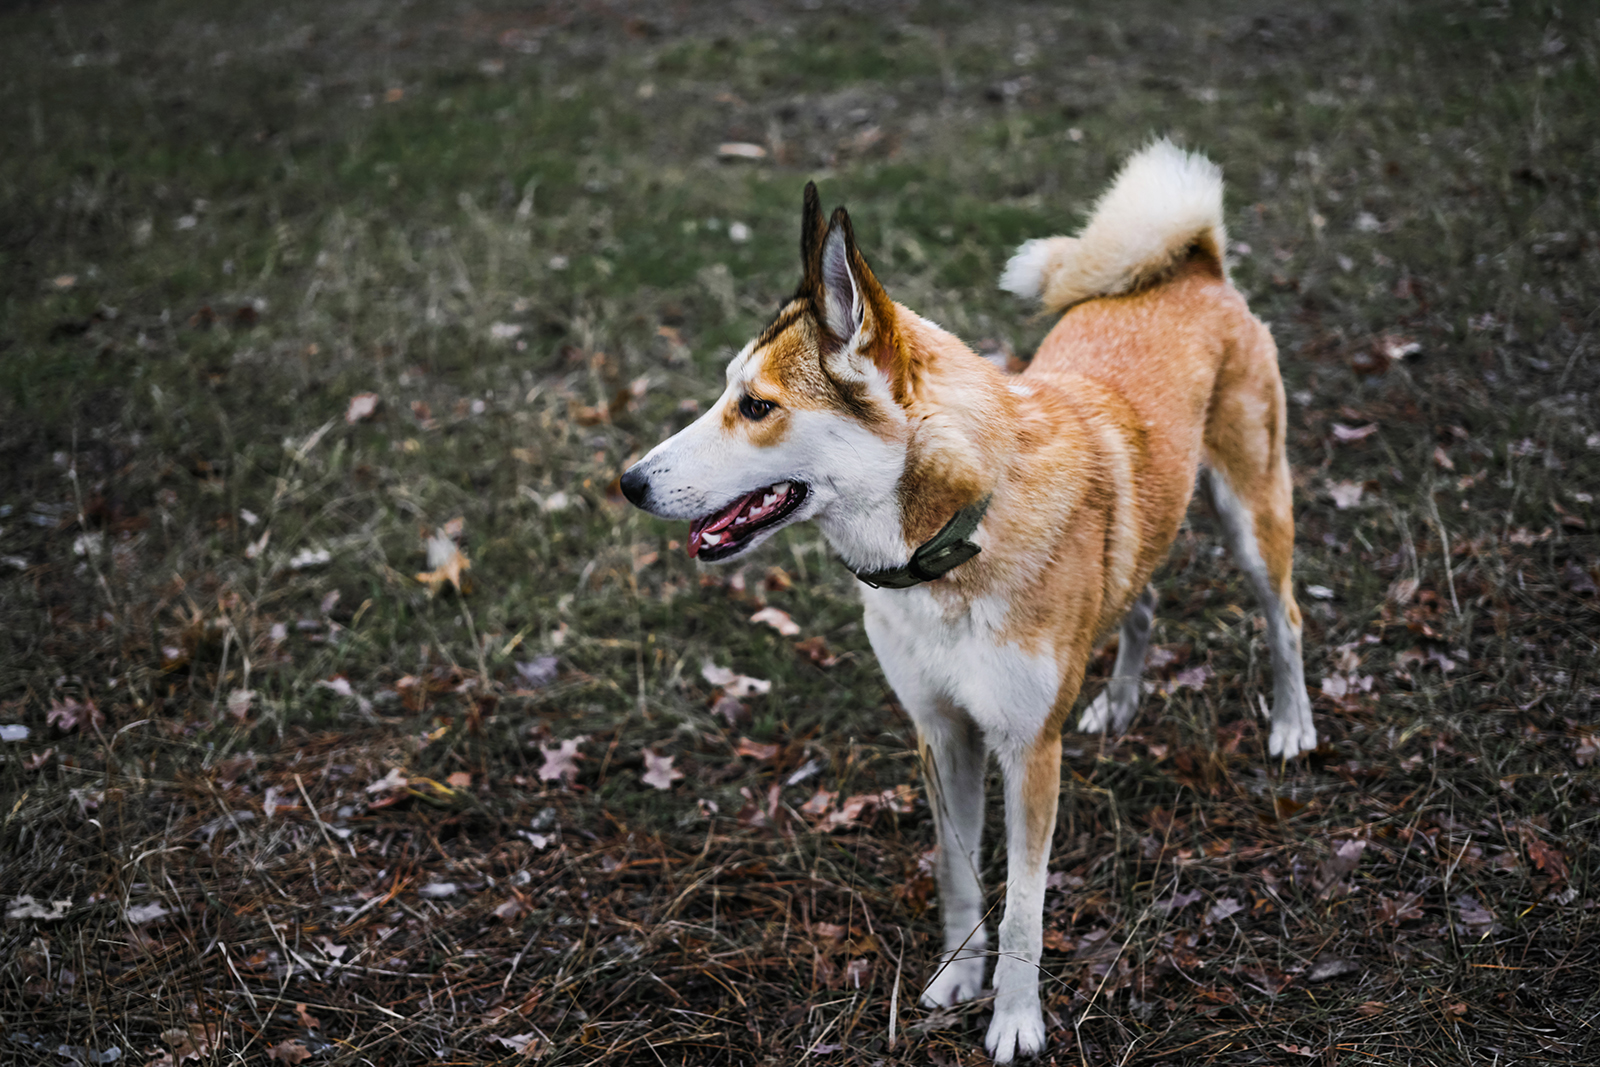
{"x": 827, "y": 1029}
{"x": 338, "y": 859}
{"x": 222, "y": 669}
{"x": 518, "y": 961}
{"x": 894, "y": 992}
{"x": 83, "y": 525}
{"x": 1444, "y": 540}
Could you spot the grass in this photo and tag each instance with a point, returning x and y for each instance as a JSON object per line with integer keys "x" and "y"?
{"x": 513, "y": 227}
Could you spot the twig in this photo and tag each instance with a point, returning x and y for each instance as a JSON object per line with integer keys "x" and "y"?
{"x": 894, "y": 992}
{"x": 1444, "y": 541}
{"x": 338, "y": 859}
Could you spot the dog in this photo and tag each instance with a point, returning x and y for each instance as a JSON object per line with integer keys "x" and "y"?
{"x": 1002, "y": 525}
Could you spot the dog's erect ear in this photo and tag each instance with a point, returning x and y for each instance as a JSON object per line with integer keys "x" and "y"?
{"x": 849, "y": 301}
{"x": 840, "y": 308}
{"x": 813, "y": 231}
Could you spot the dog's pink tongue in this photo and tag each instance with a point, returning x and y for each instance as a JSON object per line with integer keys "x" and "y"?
{"x": 714, "y": 522}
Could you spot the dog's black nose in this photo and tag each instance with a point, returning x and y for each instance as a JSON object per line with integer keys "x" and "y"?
{"x": 635, "y": 485}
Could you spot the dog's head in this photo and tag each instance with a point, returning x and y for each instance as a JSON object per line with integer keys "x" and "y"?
{"x": 812, "y": 423}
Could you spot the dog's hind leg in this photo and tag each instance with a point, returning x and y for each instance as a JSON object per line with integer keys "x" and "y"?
{"x": 1251, "y": 490}
{"x": 1114, "y": 708}
{"x": 953, "y": 760}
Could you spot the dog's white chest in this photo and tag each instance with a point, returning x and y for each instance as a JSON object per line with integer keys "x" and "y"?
{"x": 930, "y": 659}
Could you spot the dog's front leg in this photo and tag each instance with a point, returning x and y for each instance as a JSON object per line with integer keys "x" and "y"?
{"x": 953, "y": 758}
{"x": 1032, "y": 786}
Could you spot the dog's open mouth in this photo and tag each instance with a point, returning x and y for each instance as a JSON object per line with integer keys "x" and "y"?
{"x": 723, "y": 533}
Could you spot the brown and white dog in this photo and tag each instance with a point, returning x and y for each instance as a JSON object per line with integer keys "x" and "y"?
{"x": 1004, "y": 524}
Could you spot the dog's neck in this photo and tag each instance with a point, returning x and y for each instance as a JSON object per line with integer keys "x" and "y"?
{"x": 953, "y": 434}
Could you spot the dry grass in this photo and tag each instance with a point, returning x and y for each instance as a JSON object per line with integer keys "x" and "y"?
{"x": 514, "y": 230}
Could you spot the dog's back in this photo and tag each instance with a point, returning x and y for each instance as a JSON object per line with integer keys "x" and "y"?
{"x": 1149, "y": 316}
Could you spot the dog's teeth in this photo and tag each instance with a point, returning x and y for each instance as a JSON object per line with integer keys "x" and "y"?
{"x": 780, "y": 489}
{"x": 767, "y": 500}
{"x": 711, "y": 538}
{"x": 740, "y": 521}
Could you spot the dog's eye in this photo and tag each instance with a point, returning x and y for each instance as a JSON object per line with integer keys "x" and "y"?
{"x": 754, "y": 409}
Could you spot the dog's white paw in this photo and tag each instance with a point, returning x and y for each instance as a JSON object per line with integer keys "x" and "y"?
{"x": 1106, "y": 713}
{"x": 955, "y": 981}
{"x": 1289, "y": 739}
{"x": 1016, "y": 1030}
{"x": 1097, "y": 716}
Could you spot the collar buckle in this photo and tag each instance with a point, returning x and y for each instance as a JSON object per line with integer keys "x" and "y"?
{"x": 936, "y": 557}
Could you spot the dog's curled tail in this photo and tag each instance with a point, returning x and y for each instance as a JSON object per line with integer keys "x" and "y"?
{"x": 1164, "y": 208}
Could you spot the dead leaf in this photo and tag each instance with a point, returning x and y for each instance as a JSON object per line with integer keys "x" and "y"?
{"x": 362, "y": 407}
{"x": 538, "y": 672}
{"x": 859, "y": 810}
{"x": 290, "y": 1052}
{"x": 239, "y": 702}
{"x": 1287, "y": 808}
{"x": 1341, "y": 432}
{"x": 741, "y": 150}
{"x": 459, "y": 780}
{"x": 446, "y": 561}
{"x": 778, "y": 619}
{"x": 1370, "y": 1008}
{"x": 341, "y": 685}
{"x": 1191, "y": 677}
{"x": 395, "y": 780}
{"x": 756, "y": 749}
{"x": 1545, "y": 857}
{"x": 71, "y": 713}
{"x": 816, "y": 650}
{"x": 730, "y": 709}
{"x": 276, "y": 800}
{"x": 528, "y": 1044}
{"x": 1476, "y": 920}
{"x": 1345, "y": 494}
{"x": 734, "y": 685}
{"x": 658, "y": 770}
{"x": 1395, "y": 347}
{"x": 1223, "y": 909}
{"x": 307, "y": 1020}
{"x": 819, "y": 803}
{"x": 25, "y": 907}
{"x": 561, "y": 760}
{"x": 1402, "y": 591}
{"x": 1298, "y": 1050}
{"x": 1178, "y": 901}
{"x": 1330, "y": 875}
{"x": 194, "y": 1043}
{"x": 38, "y": 759}
{"x": 1334, "y": 967}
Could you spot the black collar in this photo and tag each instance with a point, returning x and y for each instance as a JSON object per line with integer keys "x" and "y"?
{"x": 936, "y": 557}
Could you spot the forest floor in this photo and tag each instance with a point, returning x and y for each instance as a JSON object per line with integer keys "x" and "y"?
{"x": 289, "y": 291}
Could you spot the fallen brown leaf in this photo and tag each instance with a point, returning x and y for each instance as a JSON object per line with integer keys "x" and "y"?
{"x": 290, "y": 1052}
{"x": 756, "y": 749}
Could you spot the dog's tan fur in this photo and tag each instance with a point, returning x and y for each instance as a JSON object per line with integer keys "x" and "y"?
{"x": 1155, "y": 370}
